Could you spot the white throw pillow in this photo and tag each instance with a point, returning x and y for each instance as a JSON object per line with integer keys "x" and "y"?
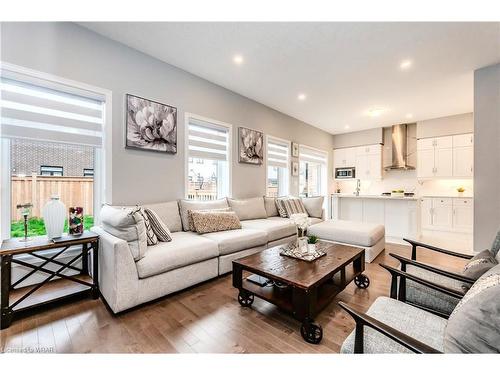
{"x": 127, "y": 224}
{"x": 248, "y": 209}
{"x": 314, "y": 206}
{"x": 271, "y": 208}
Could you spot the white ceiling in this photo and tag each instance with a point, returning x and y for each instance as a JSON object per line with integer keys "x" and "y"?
{"x": 344, "y": 69}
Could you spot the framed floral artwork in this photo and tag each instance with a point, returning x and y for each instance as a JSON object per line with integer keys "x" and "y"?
{"x": 150, "y": 126}
{"x": 295, "y": 150}
{"x": 251, "y": 146}
{"x": 295, "y": 168}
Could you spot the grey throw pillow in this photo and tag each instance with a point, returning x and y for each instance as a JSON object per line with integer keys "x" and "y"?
{"x": 495, "y": 247}
{"x": 473, "y": 326}
{"x": 478, "y": 265}
{"x": 314, "y": 206}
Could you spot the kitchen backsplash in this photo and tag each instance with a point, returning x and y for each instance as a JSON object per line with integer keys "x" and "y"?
{"x": 407, "y": 181}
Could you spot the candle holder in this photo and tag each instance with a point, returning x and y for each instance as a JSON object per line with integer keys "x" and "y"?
{"x": 25, "y": 211}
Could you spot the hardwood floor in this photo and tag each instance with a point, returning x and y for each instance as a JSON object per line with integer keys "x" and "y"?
{"x": 204, "y": 319}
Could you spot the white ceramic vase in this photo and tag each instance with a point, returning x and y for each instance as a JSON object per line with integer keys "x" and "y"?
{"x": 54, "y": 214}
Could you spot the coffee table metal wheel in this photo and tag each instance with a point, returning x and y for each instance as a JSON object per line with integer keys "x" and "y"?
{"x": 245, "y": 299}
{"x": 362, "y": 281}
{"x": 311, "y": 332}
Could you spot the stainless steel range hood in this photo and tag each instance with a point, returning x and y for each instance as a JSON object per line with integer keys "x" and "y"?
{"x": 399, "y": 142}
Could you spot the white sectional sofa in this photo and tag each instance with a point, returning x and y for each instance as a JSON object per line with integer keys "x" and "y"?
{"x": 188, "y": 259}
{"x": 127, "y": 280}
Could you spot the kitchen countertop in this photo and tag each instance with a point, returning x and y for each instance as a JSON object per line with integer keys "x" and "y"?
{"x": 373, "y": 196}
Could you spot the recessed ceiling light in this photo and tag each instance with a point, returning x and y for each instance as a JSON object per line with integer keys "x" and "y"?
{"x": 346, "y": 126}
{"x": 301, "y": 96}
{"x": 409, "y": 115}
{"x": 375, "y": 112}
{"x": 405, "y": 64}
{"x": 238, "y": 59}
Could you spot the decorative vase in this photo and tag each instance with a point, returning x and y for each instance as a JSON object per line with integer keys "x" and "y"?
{"x": 302, "y": 245}
{"x": 54, "y": 214}
{"x": 75, "y": 221}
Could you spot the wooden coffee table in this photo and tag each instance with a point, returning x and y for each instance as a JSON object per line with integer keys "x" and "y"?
{"x": 299, "y": 287}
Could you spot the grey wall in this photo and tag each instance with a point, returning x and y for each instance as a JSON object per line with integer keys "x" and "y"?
{"x": 73, "y": 52}
{"x": 486, "y": 155}
{"x": 449, "y": 125}
{"x": 359, "y": 138}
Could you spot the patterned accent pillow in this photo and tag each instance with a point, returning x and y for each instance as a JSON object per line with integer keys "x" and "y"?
{"x": 290, "y": 206}
{"x": 208, "y": 222}
{"x": 158, "y": 226}
{"x": 281, "y": 207}
{"x": 478, "y": 265}
{"x": 191, "y": 226}
{"x": 150, "y": 234}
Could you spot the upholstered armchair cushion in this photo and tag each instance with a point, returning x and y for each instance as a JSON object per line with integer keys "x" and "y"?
{"x": 271, "y": 209}
{"x": 427, "y": 297}
{"x": 127, "y": 224}
{"x": 248, "y": 209}
{"x": 314, "y": 206}
{"x": 412, "y": 321}
{"x": 474, "y": 325}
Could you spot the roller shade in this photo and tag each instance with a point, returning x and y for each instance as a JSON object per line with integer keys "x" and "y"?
{"x": 312, "y": 155}
{"x": 43, "y": 110}
{"x": 207, "y": 140}
{"x": 277, "y": 152}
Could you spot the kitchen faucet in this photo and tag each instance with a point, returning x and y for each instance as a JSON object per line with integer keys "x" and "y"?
{"x": 358, "y": 187}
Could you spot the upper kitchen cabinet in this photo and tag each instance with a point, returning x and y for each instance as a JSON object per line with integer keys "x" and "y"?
{"x": 463, "y": 155}
{"x": 344, "y": 157}
{"x": 366, "y": 159}
{"x": 444, "y": 157}
{"x": 369, "y": 162}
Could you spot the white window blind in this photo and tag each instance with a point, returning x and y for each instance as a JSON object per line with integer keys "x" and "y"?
{"x": 277, "y": 152}
{"x": 207, "y": 140}
{"x": 312, "y": 155}
{"x": 33, "y": 108}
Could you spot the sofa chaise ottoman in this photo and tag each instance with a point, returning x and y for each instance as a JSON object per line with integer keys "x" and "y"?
{"x": 370, "y": 237}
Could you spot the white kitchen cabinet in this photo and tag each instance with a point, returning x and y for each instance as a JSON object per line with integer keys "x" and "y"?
{"x": 443, "y": 162}
{"x": 366, "y": 159}
{"x": 425, "y": 163}
{"x": 344, "y": 157}
{"x": 463, "y": 214}
{"x": 447, "y": 214}
{"x": 443, "y": 157}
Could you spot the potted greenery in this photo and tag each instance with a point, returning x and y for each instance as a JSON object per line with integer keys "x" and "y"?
{"x": 311, "y": 243}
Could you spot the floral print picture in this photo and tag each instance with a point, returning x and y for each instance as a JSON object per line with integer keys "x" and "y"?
{"x": 251, "y": 146}
{"x": 151, "y": 125}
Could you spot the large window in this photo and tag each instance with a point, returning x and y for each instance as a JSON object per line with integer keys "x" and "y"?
{"x": 208, "y": 156}
{"x": 312, "y": 172}
{"x": 278, "y": 160}
{"x": 50, "y": 133}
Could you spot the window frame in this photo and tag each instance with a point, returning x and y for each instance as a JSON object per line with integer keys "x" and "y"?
{"x": 289, "y": 161}
{"x": 226, "y": 125}
{"x": 324, "y": 170}
{"x": 51, "y": 172}
{"x": 102, "y": 155}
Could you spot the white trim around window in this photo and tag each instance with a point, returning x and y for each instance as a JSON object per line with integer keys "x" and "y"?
{"x": 102, "y": 179}
{"x": 286, "y": 143}
{"x": 191, "y": 116}
{"x": 316, "y": 155}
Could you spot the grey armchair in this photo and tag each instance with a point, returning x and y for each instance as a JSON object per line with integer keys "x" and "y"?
{"x": 393, "y": 326}
{"x": 432, "y": 299}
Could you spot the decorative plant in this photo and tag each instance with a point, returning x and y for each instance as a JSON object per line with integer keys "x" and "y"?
{"x": 312, "y": 240}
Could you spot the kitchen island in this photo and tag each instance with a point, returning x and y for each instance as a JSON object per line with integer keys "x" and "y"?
{"x": 399, "y": 215}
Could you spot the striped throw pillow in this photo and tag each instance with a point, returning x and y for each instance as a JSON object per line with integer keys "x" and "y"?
{"x": 159, "y": 228}
{"x": 290, "y": 206}
{"x": 150, "y": 234}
